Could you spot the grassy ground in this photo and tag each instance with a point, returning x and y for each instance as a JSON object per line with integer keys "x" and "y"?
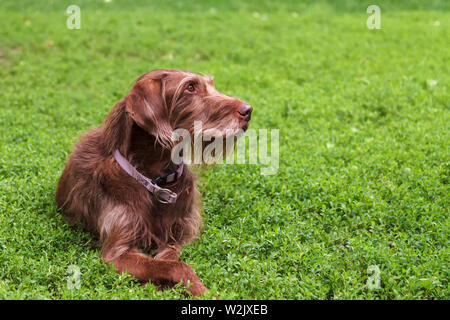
{"x": 364, "y": 153}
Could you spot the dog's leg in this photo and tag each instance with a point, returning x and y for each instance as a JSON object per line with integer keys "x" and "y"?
{"x": 168, "y": 253}
{"x": 145, "y": 268}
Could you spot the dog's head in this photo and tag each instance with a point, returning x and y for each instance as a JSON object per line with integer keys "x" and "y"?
{"x": 162, "y": 101}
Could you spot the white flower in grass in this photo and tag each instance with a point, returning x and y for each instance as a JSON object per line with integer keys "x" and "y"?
{"x": 168, "y": 56}
{"x": 432, "y": 83}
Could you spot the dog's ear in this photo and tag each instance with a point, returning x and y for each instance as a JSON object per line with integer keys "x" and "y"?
{"x": 146, "y": 105}
{"x": 117, "y": 129}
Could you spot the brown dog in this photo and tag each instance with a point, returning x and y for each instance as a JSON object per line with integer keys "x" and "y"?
{"x": 126, "y": 211}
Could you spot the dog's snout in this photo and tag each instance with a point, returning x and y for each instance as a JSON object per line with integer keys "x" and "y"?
{"x": 245, "y": 111}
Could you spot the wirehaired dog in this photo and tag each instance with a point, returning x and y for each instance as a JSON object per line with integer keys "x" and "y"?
{"x": 122, "y": 185}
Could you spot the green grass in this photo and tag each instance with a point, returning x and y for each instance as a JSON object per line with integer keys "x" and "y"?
{"x": 364, "y": 143}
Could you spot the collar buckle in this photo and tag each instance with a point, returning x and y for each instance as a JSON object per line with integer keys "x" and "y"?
{"x": 165, "y": 195}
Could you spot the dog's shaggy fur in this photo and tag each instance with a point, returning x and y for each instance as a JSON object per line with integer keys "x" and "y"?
{"x": 126, "y": 217}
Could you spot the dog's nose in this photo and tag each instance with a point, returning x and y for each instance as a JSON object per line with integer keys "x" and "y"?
{"x": 246, "y": 111}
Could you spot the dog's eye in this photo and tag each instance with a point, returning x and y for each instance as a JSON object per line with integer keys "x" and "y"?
{"x": 191, "y": 88}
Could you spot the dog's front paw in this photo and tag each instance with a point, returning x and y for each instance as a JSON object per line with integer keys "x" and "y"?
{"x": 197, "y": 289}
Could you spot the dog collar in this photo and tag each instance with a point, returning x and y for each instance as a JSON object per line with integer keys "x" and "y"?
{"x": 161, "y": 194}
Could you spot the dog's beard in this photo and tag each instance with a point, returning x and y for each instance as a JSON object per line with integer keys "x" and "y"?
{"x": 209, "y": 142}
{"x": 209, "y": 149}
{"x": 224, "y": 128}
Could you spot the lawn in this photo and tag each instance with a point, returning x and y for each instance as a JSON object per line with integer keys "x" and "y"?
{"x": 363, "y": 118}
